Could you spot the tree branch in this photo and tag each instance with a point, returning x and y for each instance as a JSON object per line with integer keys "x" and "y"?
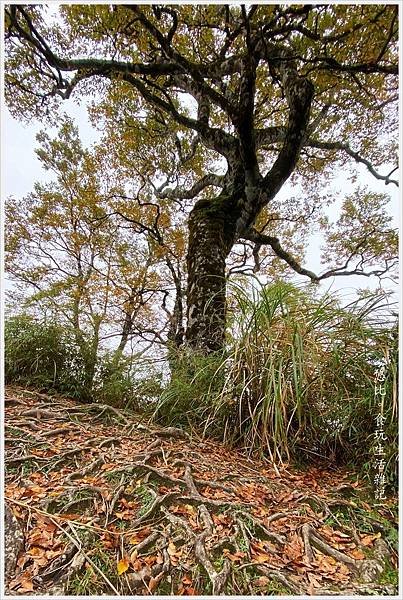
{"x": 332, "y": 64}
{"x": 324, "y": 145}
{"x": 262, "y": 239}
{"x": 181, "y": 193}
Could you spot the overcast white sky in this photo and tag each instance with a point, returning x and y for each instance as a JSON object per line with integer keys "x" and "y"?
{"x": 21, "y": 169}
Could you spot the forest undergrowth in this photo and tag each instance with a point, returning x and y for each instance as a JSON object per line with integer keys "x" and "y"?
{"x": 98, "y": 501}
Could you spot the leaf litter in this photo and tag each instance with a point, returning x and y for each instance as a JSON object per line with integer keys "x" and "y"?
{"x": 109, "y": 504}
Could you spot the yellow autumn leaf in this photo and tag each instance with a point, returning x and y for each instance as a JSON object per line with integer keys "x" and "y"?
{"x": 122, "y": 566}
{"x": 134, "y": 540}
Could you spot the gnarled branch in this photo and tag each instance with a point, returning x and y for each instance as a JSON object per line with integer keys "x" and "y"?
{"x": 274, "y": 242}
{"x": 327, "y": 145}
{"x": 181, "y": 193}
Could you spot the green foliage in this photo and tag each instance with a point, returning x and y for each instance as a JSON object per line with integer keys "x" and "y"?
{"x": 113, "y": 383}
{"x": 79, "y": 267}
{"x": 349, "y": 54}
{"x": 88, "y": 581}
{"x": 47, "y": 356}
{"x": 389, "y": 575}
{"x": 297, "y": 380}
{"x": 196, "y": 381}
{"x": 145, "y": 498}
{"x": 365, "y": 225}
{"x": 40, "y": 354}
{"x": 81, "y": 584}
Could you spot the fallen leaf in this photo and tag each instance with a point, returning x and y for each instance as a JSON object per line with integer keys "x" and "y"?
{"x": 367, "y": 540}
{"x": 128, "y": 503}
{"x": 41, "y": 537}
{"x": 134, "y": 540}
{"x": 327, "y": 564}
{"x": 133, "y": 556}
{"x": 26, "y": 584}
{"x": 314, "y": 581}
{"x": 342, "y": 535}
{"x": 261, "y": 558}
{"x": 35, "y": 551}
{"x": 106, "y": 466}
{"x": 357, "y": 554}
{"x": 154, "y": 581}
{"x": 136, "y": 563}
{"x": 52, "y": 553}
{"x": 190, "y": 591}
{"x": 171, "y": 549}
{"x": 150, "y": 560}
{"x": 344, "y": 569}
{"x": 126, "y": 515}
{"x": 122, "y": 566}
{"x": 22, "y": 560}
{"x": 262, "y": 581}
{"x": 237, "y": 556}
{"x": 293, "y": 550}
{"x": 34, "y": 489}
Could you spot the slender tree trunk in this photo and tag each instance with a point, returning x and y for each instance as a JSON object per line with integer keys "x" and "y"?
{"x": 176, "y": 330}
{"x": 90, "y": 351}
{"x": 124, "y": 337}
{"x": 211, "y": 236}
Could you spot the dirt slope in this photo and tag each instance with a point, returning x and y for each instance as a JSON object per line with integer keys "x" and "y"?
{"x": 106, "y": 504}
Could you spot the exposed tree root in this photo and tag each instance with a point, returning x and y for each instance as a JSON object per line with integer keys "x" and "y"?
{"x": 180, "y": 517}
{"x": 316, "y": 540}
{"x": 100, "y": 409}
{"x": 282, "y": 578}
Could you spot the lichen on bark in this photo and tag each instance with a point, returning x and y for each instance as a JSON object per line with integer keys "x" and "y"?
{"x": 212, "y": 225}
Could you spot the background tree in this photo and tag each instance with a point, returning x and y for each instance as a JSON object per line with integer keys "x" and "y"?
{"x": 245, "y": 98}
{"x": 75, "y": 252}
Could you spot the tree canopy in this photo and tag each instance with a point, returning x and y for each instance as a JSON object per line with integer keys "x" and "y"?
{"x": 212, "y": 108}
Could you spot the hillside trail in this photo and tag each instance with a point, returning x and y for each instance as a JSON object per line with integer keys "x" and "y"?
{"x": 100, "y": 502}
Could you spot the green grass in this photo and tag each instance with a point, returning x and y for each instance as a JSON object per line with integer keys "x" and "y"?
{"x": 88, "y": 581}
{"x": 296, "y": 379}
{"x": 113, "y": 478}
{"x": 83, "y": 583}
{"x": 390, "y": 575}
{"x": 145, "y": 497}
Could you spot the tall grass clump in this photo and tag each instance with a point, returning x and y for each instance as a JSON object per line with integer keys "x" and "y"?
{"x": 297, "y": 379}
{"x": 304, "y": 370}
{"x": 196, "y": 381}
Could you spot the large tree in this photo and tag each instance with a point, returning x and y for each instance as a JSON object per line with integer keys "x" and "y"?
{"x": 244, "y": 97}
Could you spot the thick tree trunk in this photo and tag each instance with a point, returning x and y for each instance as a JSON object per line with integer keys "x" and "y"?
{"x": 211, "y": 236}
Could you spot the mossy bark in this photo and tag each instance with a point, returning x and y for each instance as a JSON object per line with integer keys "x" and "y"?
{"x": 212, "y": 225}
